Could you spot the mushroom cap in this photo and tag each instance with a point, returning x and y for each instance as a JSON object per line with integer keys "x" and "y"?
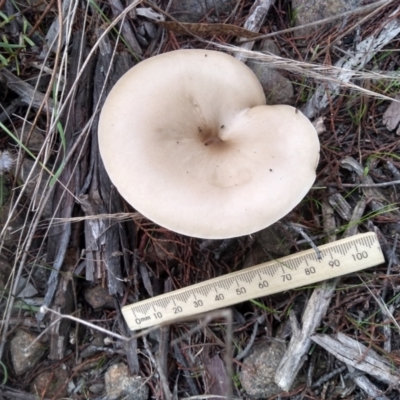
{"x": 188, "y": 141}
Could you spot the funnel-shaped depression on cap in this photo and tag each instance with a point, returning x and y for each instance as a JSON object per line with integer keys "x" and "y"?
{"x": 188, "y": 141}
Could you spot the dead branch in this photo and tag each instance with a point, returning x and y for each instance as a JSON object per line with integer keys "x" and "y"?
{"x": 300, "y": 342}
{"x": 361, "y": 56}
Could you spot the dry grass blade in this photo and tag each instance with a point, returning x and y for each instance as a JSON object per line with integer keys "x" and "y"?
{"x": 117, "y": 217}
{"x": 332, "y": 75}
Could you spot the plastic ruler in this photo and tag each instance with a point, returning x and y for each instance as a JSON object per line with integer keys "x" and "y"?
{"x": 304, "y": 268}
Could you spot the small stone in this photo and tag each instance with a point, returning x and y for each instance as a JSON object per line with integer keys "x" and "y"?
{"x": 307, "y": 11}
{"x": 99, "y": 298}
{"x": 36, "y": 138}
{"x": 258, "y": 371}
{"x": 119, "y": 385}
{"x": 95, "y": 344}
{"x": 277, "y": 88}
{"x": 51, "y": 384}
{"x": 24, "y": 359}
{"x": 97, "y": 388}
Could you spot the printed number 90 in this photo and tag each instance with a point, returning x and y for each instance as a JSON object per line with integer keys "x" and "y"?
{"x": 334, "y": 263}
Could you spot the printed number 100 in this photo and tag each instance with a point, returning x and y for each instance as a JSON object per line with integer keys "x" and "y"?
{"x": 360, "y": 256}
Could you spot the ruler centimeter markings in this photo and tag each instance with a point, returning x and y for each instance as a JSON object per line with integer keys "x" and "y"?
{"x": 338, "y": 258}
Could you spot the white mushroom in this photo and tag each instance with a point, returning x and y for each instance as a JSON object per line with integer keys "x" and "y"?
{"x": 188, "y": 141}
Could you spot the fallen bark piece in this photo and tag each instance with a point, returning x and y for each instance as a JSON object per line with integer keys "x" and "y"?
{"x": 52, "y": 41}
{"x": 150, "y": 14}
{"x": 356, "y": 217}
{"x": 340, "y": 205}
{"x": 355, "y": 354}
{"x": 391, "y": 117}
{"x": 28, "y": 94}
{"x": 63, "y": 197}
{"x": 63, "y": 302}
{"x": 215, "y": 376}
{"x": 329, "y": 222}
{"x": 126, "y": 29}
{"x": 104, "y": 239}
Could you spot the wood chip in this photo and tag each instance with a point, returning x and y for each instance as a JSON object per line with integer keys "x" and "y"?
{"x": 340, "y": 205}
{"x": 355, "y": 354}
{"x": 356, "y": 218}
{"x": 215, "y": 376}
{"x": 150, "y": 14}
{"x": 366, "y": 385}
{"x": 328, "y": 218}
